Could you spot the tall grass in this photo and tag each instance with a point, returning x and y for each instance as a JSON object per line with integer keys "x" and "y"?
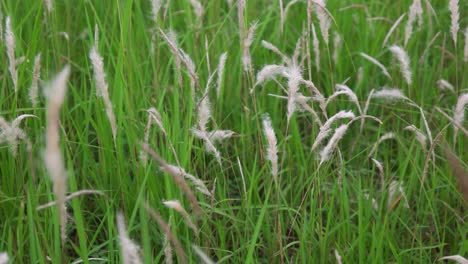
{"x": 176, "y": 160}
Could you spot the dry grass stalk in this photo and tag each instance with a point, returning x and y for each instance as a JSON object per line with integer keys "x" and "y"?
{"x": 53, "y": 157}
{"x": 459, "y": 113}
{"x": 69, "y": 197}
{"x": 376, "y": 63}
{"x": 282, "y": 16}
{"x": 130, "y": 250}
{"x": 102, "y": 89}
{"x": 415, "y": 10}
{"x": 177, "y": 206}
{"x": 454, "y": 18}
{"x": 202, "y": 255}
{"x": 10, "y": 46}
{"x": 404, "y": 61}
{"x": 457, "y": 258}
{"x": 272, "y": 149}
{"x": 172, "y": 36}
{"x": 175, "y": 173}
{"x": 11, "y": 133}
{"x": 167, "y": 231}
{"x": 389, "y": 33}
{"x": 33, "y": 91}
{"x": 458, "y": 171}
{"x": 326, "y": 152}
{"x": 221, "y": 66}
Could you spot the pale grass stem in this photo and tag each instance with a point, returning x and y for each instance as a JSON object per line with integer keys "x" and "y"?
{"x": 376, "y": 63}
{"x": 394, "y": 26}
{"x": 177, "y": 206}
{"x": 202, "y": 255}
{"x": 53, "y": 158}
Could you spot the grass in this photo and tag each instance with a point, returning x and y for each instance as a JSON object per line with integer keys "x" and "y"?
{"x": 303, "y": 218}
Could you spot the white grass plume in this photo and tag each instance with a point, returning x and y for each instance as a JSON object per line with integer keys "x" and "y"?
{"x": 390, "y": 94}
{"x": 342, "y": 89}
{"x": 326, "y": 130}
{"x": 167, "y": 247}
{"x": 33, "y": 91}
{"x": 386, "y": 136}
{"x": 415, "y": 11}
{"x": 199, "y": 185}
{"x": 323, "y": 18}
{"x": 177, "y": 206}
{"x": 202, "y": 255}
{"x": 49, "y": 5}
{"x": 294, "y": 79}
{"x": 457, "y": 258}
{"x": 221, "y": 66}
{"x": 154, "y": 117}
{"x": 337, "y": 45}
{"x": 130, "y": 250}
{"x": 102, "y": 88}
{"x": 404, "y": 60}
{"x": 270, "y": 46}
{"x": 4, "y": 258}
{"x": 420, "y": 137}
{"x": 172, "y": 36}
{"x": 380, "y": 168}
{"x": 53, "y": 158}
{"x": 247, "y": 42}
{"x": 445, "y": 85}
{"x": 326, "y": 152}
{"x": 316, "y": 44}
{"x": 198, "y": 10}
{"x": 338, "y": 257}
{"x": 269, "y": 72}
{"x": 10, "y": 46}
{"x": 394, "y": 188}
{"x": 240, "y": 20}
{"x": 394, "y": 26}
{"x": 454, "y": 18}
{"x": 11, "y": 133}
{"x": 183, "y": 57}
{"x": 272, "y": 149}
{"x": 155, "y": 8}
{"x": 376, "y": 63}
{"x": 459, "y": 113}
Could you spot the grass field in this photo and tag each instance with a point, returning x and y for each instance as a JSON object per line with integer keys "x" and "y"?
{"x": 374, "y": 187}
